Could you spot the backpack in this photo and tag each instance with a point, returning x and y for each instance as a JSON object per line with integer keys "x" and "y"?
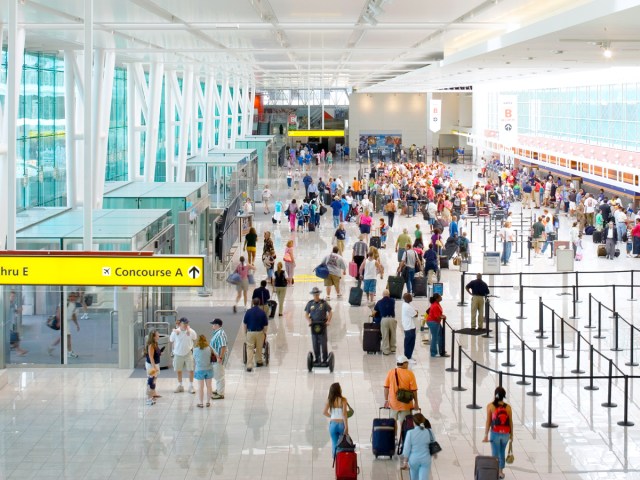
{"x": 457, "y": 202}
{"x": 500, "y": 420}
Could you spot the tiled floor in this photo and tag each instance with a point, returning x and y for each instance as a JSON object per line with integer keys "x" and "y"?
{"x": 82, "y": 423}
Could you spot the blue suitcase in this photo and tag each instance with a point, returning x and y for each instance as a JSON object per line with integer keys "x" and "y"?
{"x": 383, "y": 436}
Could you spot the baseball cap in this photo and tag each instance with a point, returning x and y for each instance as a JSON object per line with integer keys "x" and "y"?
{"x": 184, "y": 320}
{"x": 216, "y": 321}
{"x": 401, "y": 359}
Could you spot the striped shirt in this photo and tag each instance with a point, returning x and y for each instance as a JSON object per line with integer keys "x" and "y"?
{"x": 218, "y": 340}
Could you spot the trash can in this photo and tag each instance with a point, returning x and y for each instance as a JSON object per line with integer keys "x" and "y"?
{"x": 164, "y": 329}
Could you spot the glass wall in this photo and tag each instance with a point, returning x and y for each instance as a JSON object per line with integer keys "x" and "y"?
{"x": 117, "y": 146}
{"x": 606, "y": 115}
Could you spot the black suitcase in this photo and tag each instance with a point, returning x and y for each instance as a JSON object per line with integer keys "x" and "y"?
{"x": 355, "y": 296}
{"x": 312, "y": 226}
{"x": 444, "y": 262}
{"x": 272, "y": 305}
{"x": 486, "y": 468}
{"x": 383, "y": 436}
{"x": 420, "y": 286}
{"x": 395, "y": 285}
{"x": 371, "y": 337}
{"x": 597, "y": 236}
{"x": 375, "y": 242}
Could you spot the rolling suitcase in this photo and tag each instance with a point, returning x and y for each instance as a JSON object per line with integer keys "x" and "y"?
{"x": 597, "y": 236}
{"x": 272, "y": 305}
{"x": 375, "y": 242}
{"x": 347, "y": 465}
{"x": 444, "y": 262}
{"x": 602, "y": 251}
{"x": 383, "y": 436}
{"x": 395, "y": 286}
{"x": 420, "y": 286}
{"x": 355, "y": 296}
{"x": 371, "y": 337}
{"x": 486, "y": 468}
{"x": 311, "y": 226}
{"x": 353, "y": 269}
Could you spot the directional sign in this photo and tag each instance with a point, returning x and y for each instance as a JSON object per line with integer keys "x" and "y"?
{"x": 101, "y": 270}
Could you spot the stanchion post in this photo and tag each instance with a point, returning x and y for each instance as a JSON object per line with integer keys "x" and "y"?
{"x": 616, "y": 331}
{"x": 521, "y": 302}
{"x": 609, "y": 403}
{"x": 614, "y": 310}
{"x": 523, "y": 379}
{"x": 562, "y": 354}
{"x": 534, "y": 377}
{"x": 484, "y": 237}
{"x": 591, "y": 386}
{"x": 474, "y": 405}
{"x": 577, "y": 369}
{"x": 508, "y": 363}
{"x": 462, "y": 303}
{"x": 632, "y": 332}
{"x": 522, "y": 245}
{"x": 631, "y": 299}
{"x": 574, "y": 291}
{"x": 487, "y": 317}
{"x": 626, "y": 422}
{"x": 452, "y": 368}
{"x": 496, "y": 348}
{"x": 590, "y": 325}
{"x": 528, "y": 254}
{"x": 540, "y": 330}
{"x": 553, "y": 330}
{"x": 549, "y": 423}
{"x": 459, "y": 387}
{"x": 577, "y": 289}
{"x": 516, "y": 242}
{"x": 599, "y": 335}
{"x": 471, "y": 235}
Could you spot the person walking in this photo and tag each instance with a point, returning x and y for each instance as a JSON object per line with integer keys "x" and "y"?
{"x": 434, "y": 322}
{"x": 409, "y": 265}
{"x": 384, "y": 313}
{"x": 635, "y": 233}
{"x": 263, "y": 295}
{"x": 289, "y": 261}
{"x": 610, "y": 237}
{"x": 390, "y": 210}
{"x": 336, "y": 409}
{"x": 478, "y": 290}
{"x": 243, "y": 269}
{"x": 415, "y": 450}
{"x": 507, "y": 237}
{"x": 182, "y": 338}
{"x": 268, "y": 256}
{"x": 401, "y": 390}
{"x": 337, "y": 268}
{"x": 401, "y": 243}
{"x": 368, "y": 271}
{"x": 152, "y": 365}
{"x": 280, "y": 284}
{"x": 358, "y": 255}
{"x": 293, "y": 210}
{"x": 499, "y": 425}
{"x": 203, "y": 369}
{"x": 409, "y": 315}
{"x": 219, "y": 346}
{"x": 250, "y": 243}
{"x": 256, "y": 324}
{"x": 340, "y": 236}
{"x": 318, "y": 313}
{"x": 266, "y": 198}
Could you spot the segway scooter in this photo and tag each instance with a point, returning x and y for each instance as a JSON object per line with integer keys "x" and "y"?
{"x": 266, "y": 350}
{"x": 318, "y": 329}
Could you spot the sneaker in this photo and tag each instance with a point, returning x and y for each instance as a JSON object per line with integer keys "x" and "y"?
{"x": 217, "y": 396}
{"x": 71, "y": 354}
{"x": 412, "y": 361}
{"x": 179, "y": 389}
{"x": 235, "y": 309}
{"x": 249, "y": 369}
{"x": 151, "y": 401}
{"x": 191, "y": 389}
{"x": 85, "y": 316}
{"x": 259, "y": 364}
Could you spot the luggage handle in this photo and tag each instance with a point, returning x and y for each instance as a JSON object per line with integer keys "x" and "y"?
{"x": 384, "y": 408}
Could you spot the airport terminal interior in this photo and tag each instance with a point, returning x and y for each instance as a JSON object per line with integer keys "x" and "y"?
{"x": 143, "y": 143}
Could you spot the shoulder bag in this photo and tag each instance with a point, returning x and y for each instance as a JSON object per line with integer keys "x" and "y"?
{"x": 402, "y": 395}
{"x": 434, "y": 447}
{"x": 510, "y": 458}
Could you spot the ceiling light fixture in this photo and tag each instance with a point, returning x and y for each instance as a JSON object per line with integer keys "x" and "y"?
{"x": 606, "y": 49}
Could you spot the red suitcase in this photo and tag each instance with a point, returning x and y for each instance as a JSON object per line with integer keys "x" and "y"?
{"x": 353, "y": 269}
{"x": 347, "y": 466}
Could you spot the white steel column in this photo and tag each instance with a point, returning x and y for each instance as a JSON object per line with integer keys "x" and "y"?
{"x": 87, "y": 201}
{"x": 105, "y": 63}
{"x": 8, "y": 173}
{"x": 187, "y": 104}
{"x": 244, "y": 108}
{"x": 71, "y": 83}
{"x": 235, "y": 112}
{"x": 218, "y": 104}
{"x": 252, "y": 101}
{"x": 224, "y": 114}
{"x": 170, "y": 127}
{"x": 153, "y": 119}
{"x": 134, "y": 127}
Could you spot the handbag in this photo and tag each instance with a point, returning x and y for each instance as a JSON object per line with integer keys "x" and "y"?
{"x": 287, "y": 257}
{"x": 434, "y": 447}
{"x": 350, "y": 411}
{"x": 214, "y": 358}
{"x": 234, "y": 278}
{"x": 321, "y": 271}
{"x": 402, "y": 395}
{"x": 510, "y": 458}
{"x": 251, "y": 279}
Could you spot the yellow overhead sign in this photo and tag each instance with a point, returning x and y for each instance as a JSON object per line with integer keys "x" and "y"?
{"x": 102, "y": 270}
{"x": 316, "y": 133}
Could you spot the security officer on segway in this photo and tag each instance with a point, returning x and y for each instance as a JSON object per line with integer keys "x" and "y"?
{"x": 318, "y": 313}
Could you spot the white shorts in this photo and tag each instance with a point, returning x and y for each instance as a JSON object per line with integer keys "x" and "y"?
{"x": 183, "y": 362}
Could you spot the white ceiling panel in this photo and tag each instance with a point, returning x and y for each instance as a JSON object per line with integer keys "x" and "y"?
{"x": 317, "y": 12}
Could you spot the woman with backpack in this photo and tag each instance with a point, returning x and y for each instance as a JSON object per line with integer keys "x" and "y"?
{"x": 500, "y": 424}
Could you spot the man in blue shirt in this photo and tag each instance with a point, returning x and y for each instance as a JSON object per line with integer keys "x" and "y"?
{"x": 453, "y": 227}
{"x": 307, "y": 181}
{"x": 336, "y": 207}
{"x": 255, "y": 329}
{"x": 384, "y": 313}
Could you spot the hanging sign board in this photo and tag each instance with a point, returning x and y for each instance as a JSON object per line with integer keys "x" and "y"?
{"x": 435, "y": 115}
{"x": 508, "y": 117}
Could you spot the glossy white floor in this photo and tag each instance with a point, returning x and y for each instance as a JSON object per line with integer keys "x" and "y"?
{"x": 93, "y": 423}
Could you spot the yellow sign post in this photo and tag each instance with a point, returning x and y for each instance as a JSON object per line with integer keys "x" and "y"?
{"x": 102, "y": 270}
